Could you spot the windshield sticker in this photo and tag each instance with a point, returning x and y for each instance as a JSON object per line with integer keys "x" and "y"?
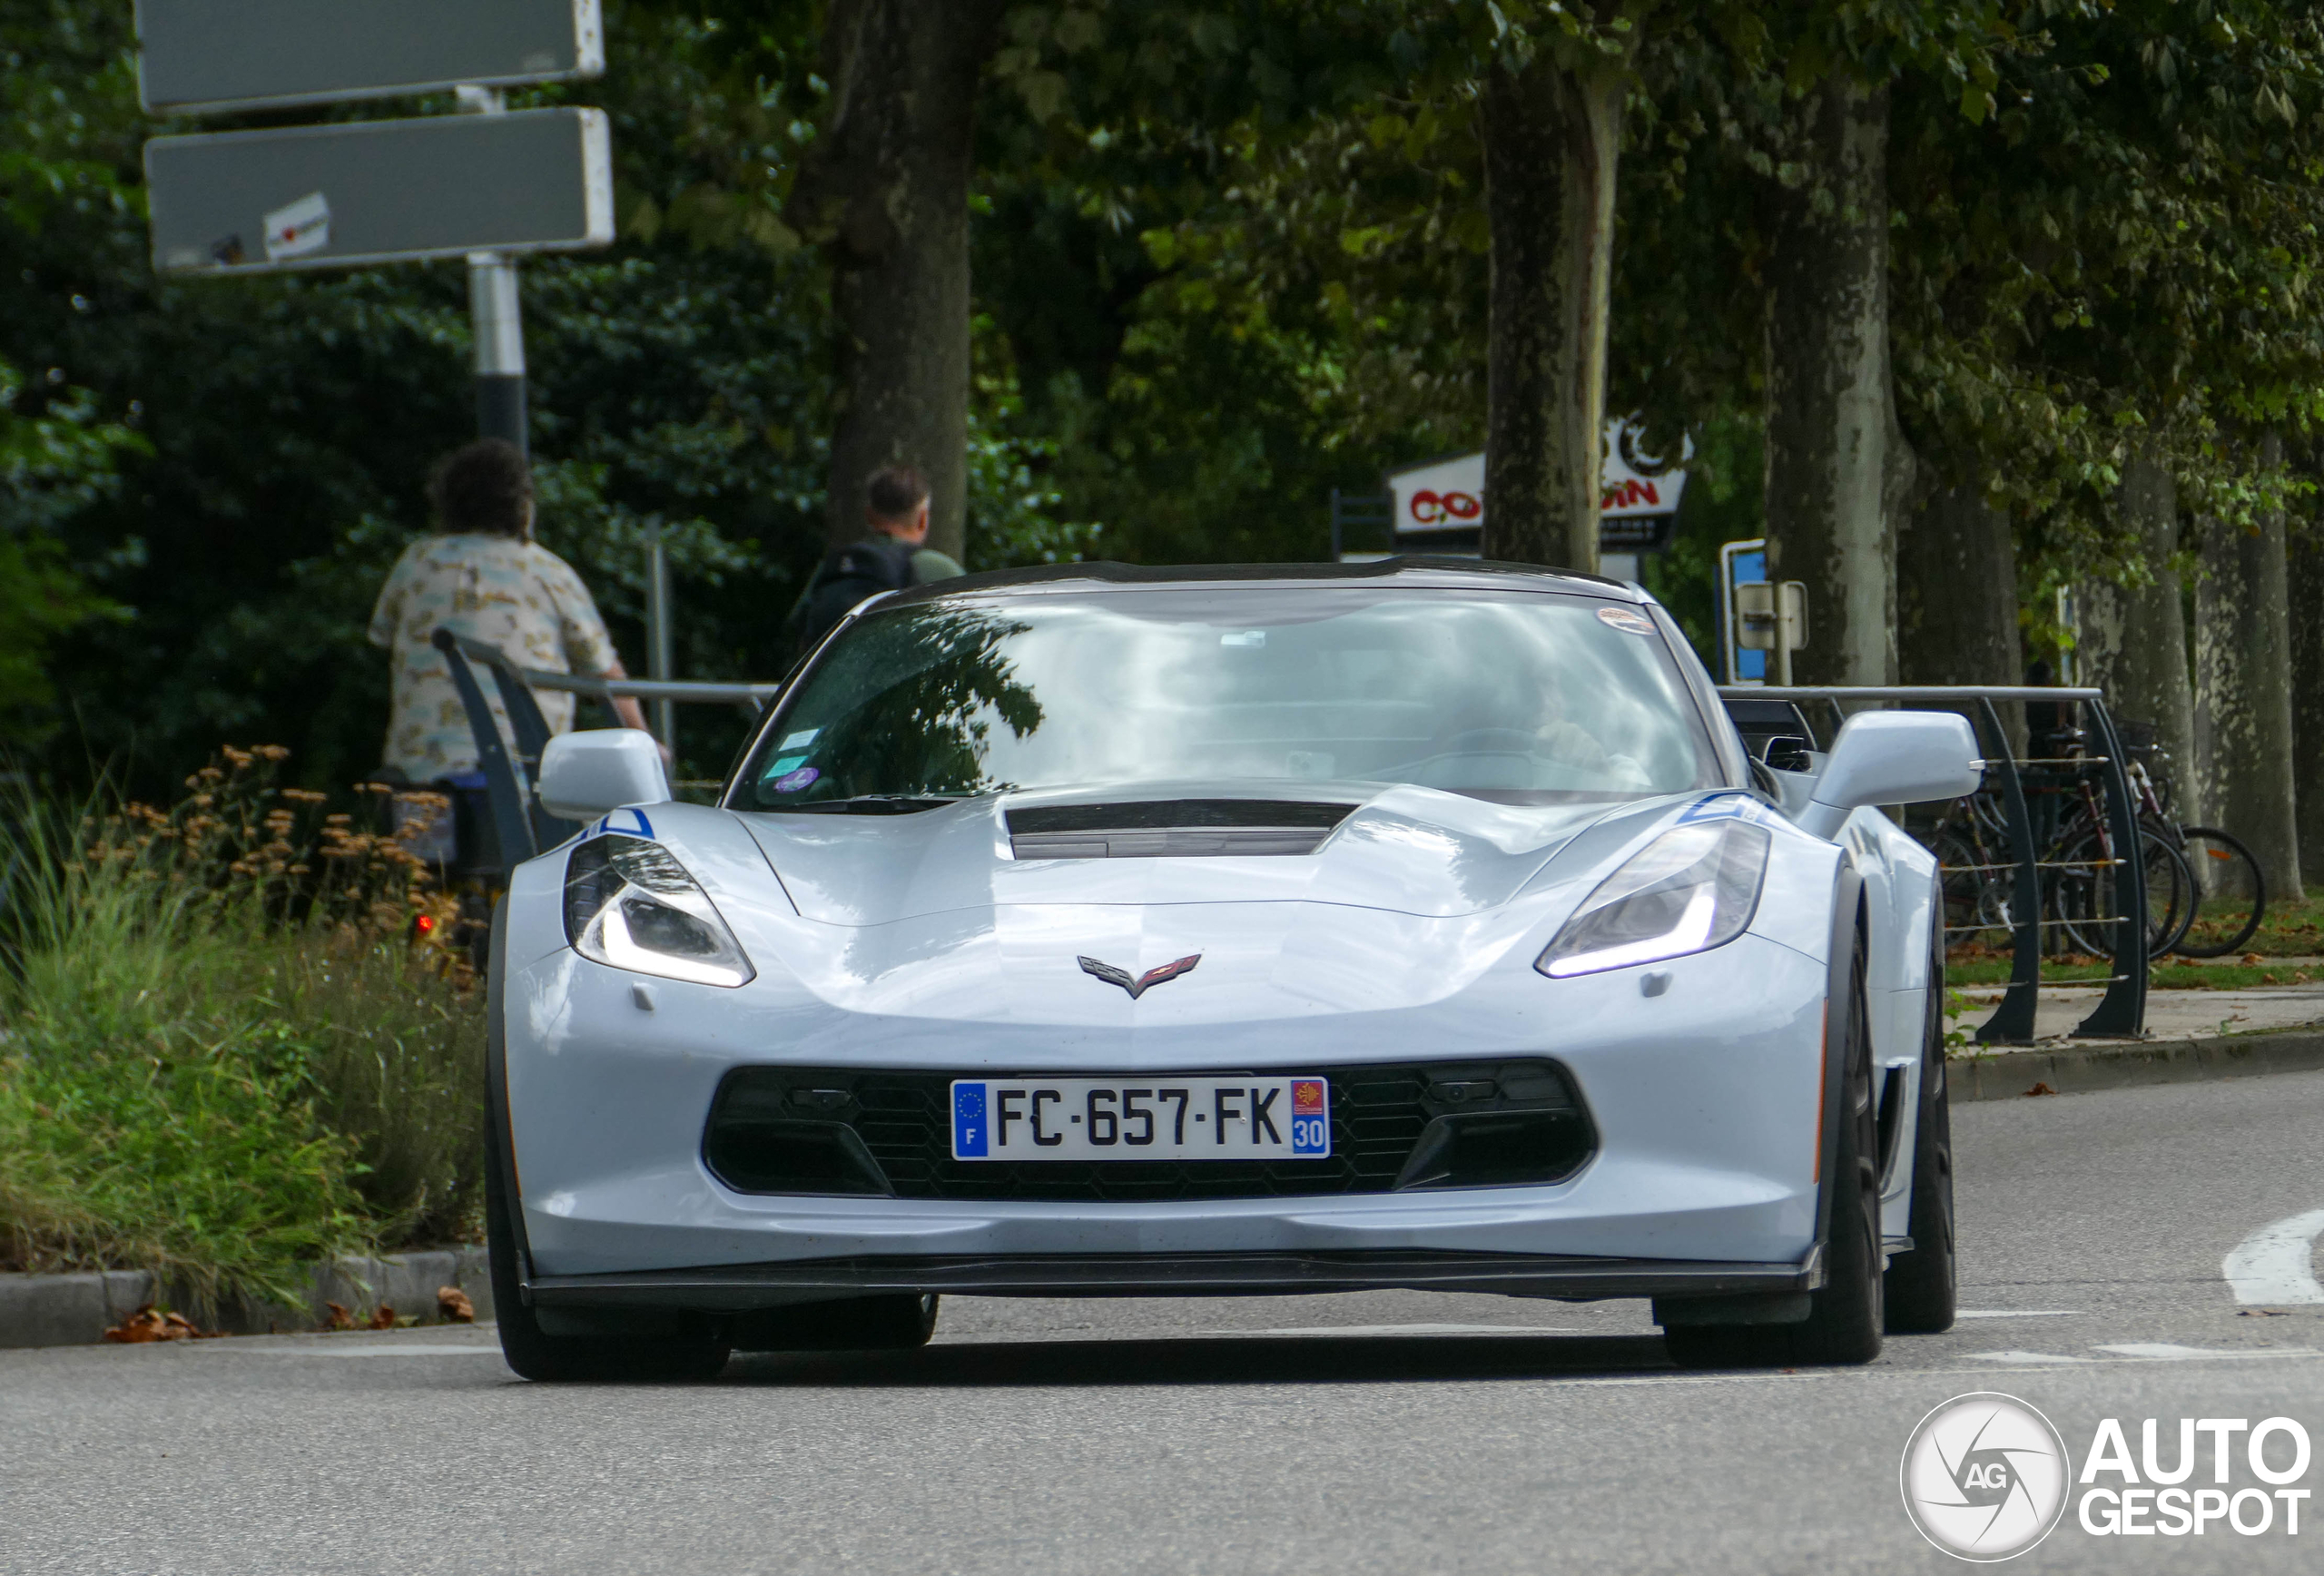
{"x": 788, "y": 764}
{"x": 1244, "y": 637}
{"x": 801, "y": 739}
{"x": 793, "y": 781}
{"x": 1626, "y": 620}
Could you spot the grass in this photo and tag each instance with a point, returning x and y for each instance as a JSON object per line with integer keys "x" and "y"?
{"x": 2167, "y": 974}
{"x": 2293, "y": 929}
{"x": 220, "y": 1057}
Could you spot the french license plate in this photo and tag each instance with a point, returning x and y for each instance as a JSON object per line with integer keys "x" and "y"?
{"x": 1160, "y": 1118}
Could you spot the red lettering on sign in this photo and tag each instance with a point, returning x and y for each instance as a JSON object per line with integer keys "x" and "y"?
{"x": 1427, "y": 507}
{"x": 1462, "y": 506}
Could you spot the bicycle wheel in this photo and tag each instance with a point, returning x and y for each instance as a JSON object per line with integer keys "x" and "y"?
{"x": 1976, "y": 899}
{"x": 2228, "y": 889}
{"x": 2086, "y": 903}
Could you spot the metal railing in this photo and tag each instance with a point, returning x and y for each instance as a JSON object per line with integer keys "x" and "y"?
{"x": 520, "y": 827}
{"x": 2121, "y": 1013}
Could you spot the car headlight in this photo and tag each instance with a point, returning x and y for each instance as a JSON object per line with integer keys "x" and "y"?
{"x": 1691, "y": 889}
{"x": 629, "y": 903}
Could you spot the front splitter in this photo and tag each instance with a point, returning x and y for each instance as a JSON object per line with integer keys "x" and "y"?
{"x": 737, "y": 1288}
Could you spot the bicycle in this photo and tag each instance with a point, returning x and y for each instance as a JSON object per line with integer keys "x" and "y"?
{"x": 2075, "y": 863}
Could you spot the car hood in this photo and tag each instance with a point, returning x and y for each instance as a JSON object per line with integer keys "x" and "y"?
{"x": 1401, "y": 849}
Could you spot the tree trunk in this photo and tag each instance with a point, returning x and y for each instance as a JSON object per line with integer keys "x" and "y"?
{"x": 1956, "y": 597}
{"x": 1957, "y": 593}
{"x": 1551, "y": 139}
{"x": 2305, "y": 575}
{"x": 2133, "y": 639}
{"x": 2243, "y": 689}
{"x": 885, "y": 192}
{"x": 1829, "y": 400}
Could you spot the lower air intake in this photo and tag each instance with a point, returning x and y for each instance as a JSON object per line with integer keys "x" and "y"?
{"x": 834, "y": 1130}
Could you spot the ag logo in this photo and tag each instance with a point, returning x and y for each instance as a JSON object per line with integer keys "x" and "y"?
{"x": 1985, "y": 1477}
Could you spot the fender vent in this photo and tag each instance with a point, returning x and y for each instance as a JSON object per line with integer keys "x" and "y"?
{"x": 1171, "y": 828}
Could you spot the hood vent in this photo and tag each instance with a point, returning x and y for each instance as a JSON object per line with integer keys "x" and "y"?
{"x": 1171, "y": 828}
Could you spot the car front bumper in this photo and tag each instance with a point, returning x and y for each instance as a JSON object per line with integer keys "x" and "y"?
{"x": 1705, "y": 1098}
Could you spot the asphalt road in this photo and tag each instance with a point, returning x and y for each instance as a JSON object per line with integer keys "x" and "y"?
{"x": 1393, "y": 1432}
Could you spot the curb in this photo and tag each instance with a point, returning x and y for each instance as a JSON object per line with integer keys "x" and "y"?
{"x": 2129, "y": 1064}
{"x": 75, "y": 1310}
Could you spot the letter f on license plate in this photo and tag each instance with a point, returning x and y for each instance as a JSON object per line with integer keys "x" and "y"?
{"x": 1163, "y": 1117}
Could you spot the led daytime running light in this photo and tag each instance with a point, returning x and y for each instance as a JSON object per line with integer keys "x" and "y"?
{"x": 1692, "y": 889}
{"x": 630, "y": 905}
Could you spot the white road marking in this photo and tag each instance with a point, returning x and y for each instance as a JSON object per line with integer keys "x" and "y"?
{"x": 2140, "y": 1351}
{"x": 2018, "y": 1313}
{"x": 2167, "y": 1351}
{"x": 1412, "y": 1330}
{"x": 2017, "y": 1357}
{"x": 2275, "y": 1266}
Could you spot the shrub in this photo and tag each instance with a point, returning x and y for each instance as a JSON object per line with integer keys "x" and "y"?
{"x": 221, "y": 1055}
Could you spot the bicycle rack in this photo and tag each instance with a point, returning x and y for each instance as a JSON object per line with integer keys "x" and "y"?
{"x": 2121, "y": 1013}
{"x": 521, "y": 826}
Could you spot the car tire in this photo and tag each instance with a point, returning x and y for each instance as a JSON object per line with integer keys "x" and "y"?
{"x": 693, "y": 1351}
{"x": 695, "y": 1348}
{"x": 889, "y": 1322}
{"x": 1922, "y": 1287}
{"x": 1846, "y": 1313}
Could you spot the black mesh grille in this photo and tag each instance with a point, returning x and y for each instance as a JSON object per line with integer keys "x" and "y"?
{"x": 824, "y": 1130}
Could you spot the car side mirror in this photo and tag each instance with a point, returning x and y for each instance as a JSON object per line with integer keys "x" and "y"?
{"x": 1893, "y": 758}
{"x": 1789, "y": 753}
{"x": 584, "y": 776}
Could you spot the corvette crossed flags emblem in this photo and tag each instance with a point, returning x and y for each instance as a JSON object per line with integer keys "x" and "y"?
{"x": 1144, "y": 983}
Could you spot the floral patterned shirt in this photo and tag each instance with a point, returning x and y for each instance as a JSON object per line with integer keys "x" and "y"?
{"x": 518, "y": 595}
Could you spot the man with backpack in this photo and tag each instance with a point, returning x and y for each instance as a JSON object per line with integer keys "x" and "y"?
{"x": 893, "y": 554}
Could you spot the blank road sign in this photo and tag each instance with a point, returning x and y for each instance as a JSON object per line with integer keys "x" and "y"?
{"x": 380, "y": 191}
{"x": 222, "y": 54}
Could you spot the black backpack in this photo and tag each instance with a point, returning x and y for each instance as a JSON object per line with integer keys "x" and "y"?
{"x": 846, "y": 577}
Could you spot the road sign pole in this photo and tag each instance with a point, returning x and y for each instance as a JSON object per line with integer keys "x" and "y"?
{"x": 659, "y": 664}
{"x": 497, "y": 313}
{"x": 495, "y": 318}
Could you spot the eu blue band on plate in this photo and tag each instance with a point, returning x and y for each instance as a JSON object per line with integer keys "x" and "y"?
{"x": 968, "y": 1134}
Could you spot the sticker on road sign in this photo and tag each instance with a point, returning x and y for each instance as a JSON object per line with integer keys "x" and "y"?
{"x": 298, "y": 228}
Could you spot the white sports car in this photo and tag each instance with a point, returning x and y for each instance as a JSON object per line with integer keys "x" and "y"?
{"x": 1110, "y": 932}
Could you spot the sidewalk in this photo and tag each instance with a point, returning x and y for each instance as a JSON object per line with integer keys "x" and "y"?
{"x": 2191, "y": 1035}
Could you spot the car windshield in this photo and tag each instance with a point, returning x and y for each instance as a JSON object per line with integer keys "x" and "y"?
{"x": 1516, "y": 697}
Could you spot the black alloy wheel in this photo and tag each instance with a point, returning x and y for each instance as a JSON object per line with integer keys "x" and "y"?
{"x": 1921, "y": 1284}
{"x": 1847, "y": 1314}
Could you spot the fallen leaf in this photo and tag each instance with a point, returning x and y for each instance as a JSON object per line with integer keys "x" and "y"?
{"x": 453, "y": 1307}
{"x": 145, "y": 1324}
{"x": 2251, "y": 957}
{"x": 340, "y": 1318}
{"x": 2039, "y": 1088}
{"x": 383, "y": 1317}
